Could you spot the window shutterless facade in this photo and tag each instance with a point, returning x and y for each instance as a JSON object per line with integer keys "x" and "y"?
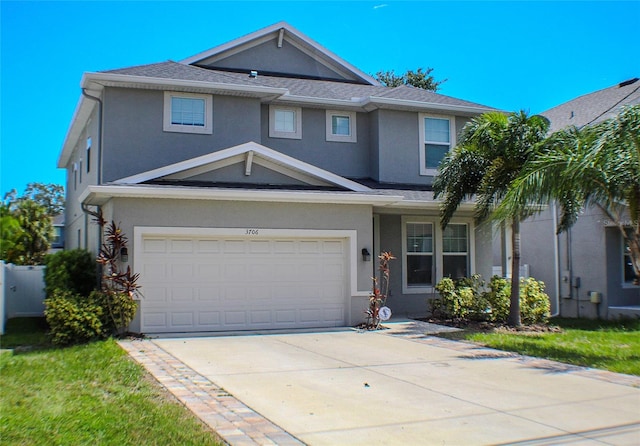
{"x": 285, "y": 122}
{"x": 430, "y": 253}
{"x": 341, "y": 126}
{"x": 437, "y": 136}
{"x": 188, "y": 113}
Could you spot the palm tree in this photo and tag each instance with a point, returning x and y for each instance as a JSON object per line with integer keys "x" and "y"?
{"x": 490, "y": 154}
{"x": 597, "y": 165}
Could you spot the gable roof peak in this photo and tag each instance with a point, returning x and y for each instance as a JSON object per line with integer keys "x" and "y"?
{"x": 280, "y": 32}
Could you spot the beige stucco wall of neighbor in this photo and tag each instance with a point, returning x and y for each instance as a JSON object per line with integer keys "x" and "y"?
{"x": 132, "y": 213}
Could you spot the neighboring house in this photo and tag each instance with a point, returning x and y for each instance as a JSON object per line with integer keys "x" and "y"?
{"x": 257, "y": 182}
{"x": 590, "y": 262}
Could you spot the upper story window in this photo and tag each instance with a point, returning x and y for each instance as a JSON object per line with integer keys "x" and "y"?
{"x": 341, "y": 126}
{"x": 285, "y": 122}
{"x": 437, "y": 136}
{"x": 88, "y": 154}
{"x": 188, "y": 113}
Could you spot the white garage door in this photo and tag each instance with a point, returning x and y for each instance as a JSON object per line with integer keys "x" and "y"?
{"x": 193, "y": 284}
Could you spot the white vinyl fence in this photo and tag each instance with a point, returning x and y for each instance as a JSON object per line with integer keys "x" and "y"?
{"x": 21, "y": 292}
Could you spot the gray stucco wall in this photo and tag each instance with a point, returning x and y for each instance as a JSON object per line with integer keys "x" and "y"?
{"x": 590, "y": 251}
{"x": 78, "y": 232}
{"x": 268, "y": 57}
{"x": 399, "y": 145}
{"x": 134, "y": 140}
{"x": 262, "y": 215}
{"x": 347, "y": 159}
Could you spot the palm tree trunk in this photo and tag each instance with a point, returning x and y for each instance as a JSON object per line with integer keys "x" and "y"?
{"x": 514, "y": 306}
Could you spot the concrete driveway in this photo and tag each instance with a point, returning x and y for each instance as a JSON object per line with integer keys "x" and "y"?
{"x": 349, "y": 387}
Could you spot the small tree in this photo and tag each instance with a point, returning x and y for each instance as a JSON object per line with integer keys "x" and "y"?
{"x": 27, "y": 229}
{"x": 421, "y": 78}
{"x": 380, "y": 291}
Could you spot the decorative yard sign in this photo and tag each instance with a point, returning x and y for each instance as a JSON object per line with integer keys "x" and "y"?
{"x": 384, "y": 313}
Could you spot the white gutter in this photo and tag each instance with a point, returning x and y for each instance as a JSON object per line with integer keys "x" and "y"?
{"x": 98, "y": 195}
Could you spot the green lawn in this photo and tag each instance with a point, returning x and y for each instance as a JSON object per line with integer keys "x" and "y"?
{"x": 609, "y": 345}
{"x": 85, "y": 395}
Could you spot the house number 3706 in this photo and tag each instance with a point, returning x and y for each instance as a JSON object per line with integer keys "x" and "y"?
{"x": 251, "y": 232}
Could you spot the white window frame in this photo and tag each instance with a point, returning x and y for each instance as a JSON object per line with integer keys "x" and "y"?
{"x": 273, "y": 133}
{"x": 625, "y": 257}
{"x": 452, "y": 139}
{"x": 438, "y": 254}
{"x": 351, "y": 137}
{"x": 208, "y": 114}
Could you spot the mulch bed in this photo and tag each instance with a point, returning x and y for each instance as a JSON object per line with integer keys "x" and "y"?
{"x": 488, "y": 327}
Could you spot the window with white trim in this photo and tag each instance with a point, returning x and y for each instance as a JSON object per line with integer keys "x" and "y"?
{"x": 430, "y": 253}
{"x": 455, "y": 251}
{"x": 437, "y": 136}
{"x": 629, "y": 273}
{"x": 341, "y": 126}
{"x": 419, "y": 254}
{"x": 88, "y": 154}
{"x": 285, "y": 122}
{"x": 188, "y": 113}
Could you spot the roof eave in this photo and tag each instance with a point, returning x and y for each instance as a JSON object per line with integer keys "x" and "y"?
{"x": 89, "y": 79}
{"x": 377, "y": 101}
{"x": 99, "y": 195}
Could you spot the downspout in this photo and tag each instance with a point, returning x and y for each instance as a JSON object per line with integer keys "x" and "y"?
{"x": 97, "y": 214}
{"x": 556, "y": 257}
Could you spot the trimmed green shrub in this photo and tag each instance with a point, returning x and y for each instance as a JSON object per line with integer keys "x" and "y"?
{"x": 498, "y": 299}
{"x": 117, "y": 310}
{"x": 534, "y": 302}
{"x": 467, "y": 299}
{"x": 72, "y": 318}
{"x": 461, "y": 299}
{"x": 74, "y": 270}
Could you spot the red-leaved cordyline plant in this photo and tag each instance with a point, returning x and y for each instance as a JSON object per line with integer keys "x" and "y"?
{"x": 380, "y": 292}
{"x": 118, "y": 287}
{"x": 113, "y": 278}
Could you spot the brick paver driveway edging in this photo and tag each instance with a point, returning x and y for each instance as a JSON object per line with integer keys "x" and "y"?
{"x": 232, "y": 421}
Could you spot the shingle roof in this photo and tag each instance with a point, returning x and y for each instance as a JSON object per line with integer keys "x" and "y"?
{"x": 594, "y": 107}
{"x": 310, "y": 88}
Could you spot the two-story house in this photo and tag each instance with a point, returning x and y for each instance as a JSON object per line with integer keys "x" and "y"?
{"x": 257, "y": 182}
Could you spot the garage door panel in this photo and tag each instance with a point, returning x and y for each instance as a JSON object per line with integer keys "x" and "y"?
{"x": 209, "y": 318}
{"x": 213, "y": 284}
{"x": 181, "y": 319}
{"x": 180, "y": 246}
{"x": 208, "y": 246}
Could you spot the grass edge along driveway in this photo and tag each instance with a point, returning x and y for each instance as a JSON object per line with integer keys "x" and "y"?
{"x": 607, "y": 345}
{"x": 87, "y": 395}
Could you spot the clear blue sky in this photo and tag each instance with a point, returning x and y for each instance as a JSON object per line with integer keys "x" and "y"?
{"x": 509, "y": 55}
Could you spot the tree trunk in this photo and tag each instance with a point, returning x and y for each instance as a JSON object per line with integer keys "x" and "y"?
{"x": 514, "y": 306}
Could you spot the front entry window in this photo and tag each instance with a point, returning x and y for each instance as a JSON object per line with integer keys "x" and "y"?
{"x": 455, "y": 251}
{"x": 419, "y": 254}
